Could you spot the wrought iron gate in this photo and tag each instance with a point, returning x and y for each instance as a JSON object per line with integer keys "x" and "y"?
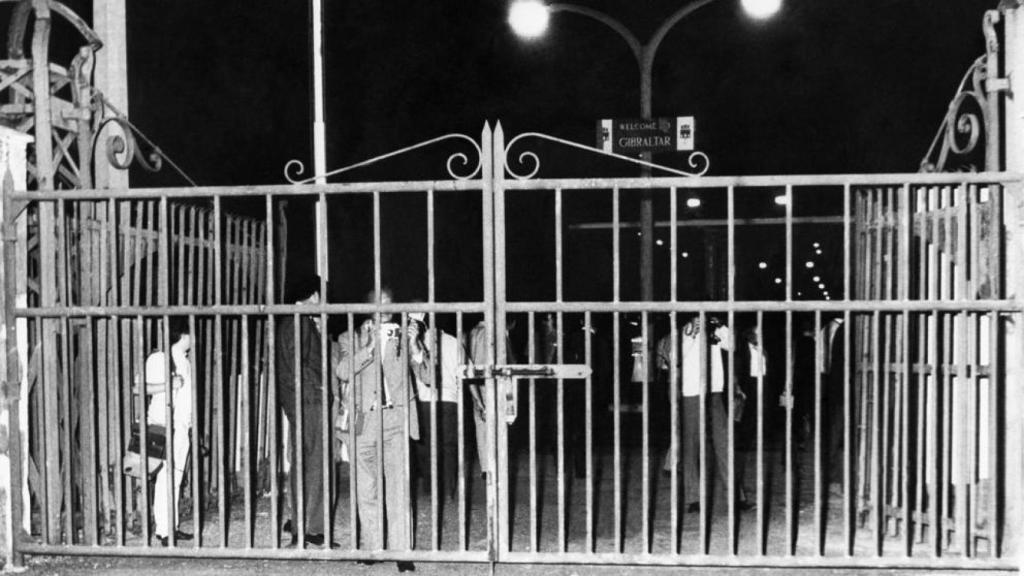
{"x": 550, "y": 288}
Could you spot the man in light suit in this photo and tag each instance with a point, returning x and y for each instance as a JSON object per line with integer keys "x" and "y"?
{"x": 375, "y": 368}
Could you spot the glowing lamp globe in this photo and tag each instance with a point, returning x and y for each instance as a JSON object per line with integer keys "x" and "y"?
{"x": 528, "y": 18}
{"x": 761, "y": 9}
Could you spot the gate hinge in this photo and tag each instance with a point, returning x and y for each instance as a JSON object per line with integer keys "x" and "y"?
{"x": 995, "y": 85}
{"x": 525, "y": 371}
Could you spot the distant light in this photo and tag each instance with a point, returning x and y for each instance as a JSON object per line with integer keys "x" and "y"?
{"x": 817, "y": 245}
{"x": 659, "y": 242}
{"x": 761, "y": 9}
{"x": 809, "y": 264}
{"x": 821, "y": 286}
{"x": 685, "y": 254}
{"x": 781, "y": 200}
{"x": 818, "y": 252}
{"x": 762, "y": 265}
{"x": 778, "y": 280}
{"x": 639, "y": 233}
{"x": 528, "y": 18}
{"x": 693, "y": 202}
{"x": 826, "y": 297}
{"x": 816, "y": 279}
{"x": 799, "y": 293}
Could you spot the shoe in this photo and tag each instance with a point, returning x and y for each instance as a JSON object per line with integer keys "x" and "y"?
{"x": 406, "y": 567}
{"x": 179, "y": 536}
{"x": 288, "y": 527}
{"x": 315, "y": 539}
{"x": 693, "y": 507}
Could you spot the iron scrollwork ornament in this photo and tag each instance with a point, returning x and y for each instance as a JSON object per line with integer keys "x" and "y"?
{"x": 698, "y": 162}
{"x": 456, "y": 164}
{"x": 122, "y": 147}
{"x": 963, "y": 126}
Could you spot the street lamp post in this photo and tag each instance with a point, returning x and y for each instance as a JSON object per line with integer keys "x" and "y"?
{"x": 529, "y": 19}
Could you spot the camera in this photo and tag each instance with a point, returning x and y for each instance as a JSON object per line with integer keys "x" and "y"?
{"x": 713, "y": 325}
{"x": 389, "y": 331}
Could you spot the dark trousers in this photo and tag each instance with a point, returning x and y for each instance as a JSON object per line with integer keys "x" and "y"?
{"x": 447, "y": 447}
{"x": 717, "y": 448}
{"x": 834, "y": 425}
{"x": 312, "y": 462}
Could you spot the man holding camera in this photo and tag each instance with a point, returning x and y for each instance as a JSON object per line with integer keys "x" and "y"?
{"x": 714, "y": 339}
{"x": 382, "y": 410}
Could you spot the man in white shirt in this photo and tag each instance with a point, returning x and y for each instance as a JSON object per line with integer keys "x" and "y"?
{"x": 692, "y": 338}
{"x": 427, "y": 346}
{"x": 165, "y": 510}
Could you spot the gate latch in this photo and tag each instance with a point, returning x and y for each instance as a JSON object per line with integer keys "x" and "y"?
{"x": 506, "y": 373}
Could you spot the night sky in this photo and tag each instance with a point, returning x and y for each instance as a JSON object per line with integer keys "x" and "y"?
{"x": 826, "y": 86}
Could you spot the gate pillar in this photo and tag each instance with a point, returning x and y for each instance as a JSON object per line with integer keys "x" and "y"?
{"x": 13, "y": 171}
{"x": 1013, "y": 332}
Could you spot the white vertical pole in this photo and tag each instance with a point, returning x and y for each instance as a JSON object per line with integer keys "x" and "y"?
{"x": 111, "y": 78}
{"x": 319, "y": 130}
{"x": 1013, "y": 222}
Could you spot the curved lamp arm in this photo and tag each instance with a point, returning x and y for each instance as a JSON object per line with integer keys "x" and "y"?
{"x": 629, "y": 37}
{"x": 651, "y": 48}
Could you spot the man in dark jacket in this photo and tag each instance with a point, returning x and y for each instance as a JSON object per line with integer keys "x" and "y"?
{"x": 302, "y": 368}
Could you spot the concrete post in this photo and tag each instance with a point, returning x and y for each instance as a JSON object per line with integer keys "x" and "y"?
{"x": 1013, "y": 331}
{"x": 111, "y": 79}
{"x": 13, "y": 407}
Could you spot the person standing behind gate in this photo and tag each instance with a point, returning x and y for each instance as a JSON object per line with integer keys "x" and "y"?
{"x": 165, "y": 509}
{"x": 310, "y": 439}
{"x": 692, "y": 338}
{"x": 380, "y": 402}
{"x": 426, "y": 344}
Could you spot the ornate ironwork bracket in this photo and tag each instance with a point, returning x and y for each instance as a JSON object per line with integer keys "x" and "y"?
{"x": 698, "y": 161}
{"x": 962, "y": 127}
{"x": 294, "y": 169}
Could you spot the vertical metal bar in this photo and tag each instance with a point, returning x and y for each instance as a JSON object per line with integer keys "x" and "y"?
{"x": 87, "y": 423}
{"x": 588, "y": 430}
{"x": 963, "y": 429}
{"x": 673, "y": 386}
{"x": 326, "y": 423}
{"x": 645, "y": 395}
{"x": 848, "y": 414}
{"x": 534, "y": 504}
{"x": 949, "y": 363}
{"x": 878, "y": 514}
{"x": 905, "y": 242}
{"x": 140, "y": 377}
{"x": 886, "y": 384}
{"x": 460, "y": 419}
{"x": 117, "y": 384}
{"x": 64, "y": 282}
{"x": 560, "y": 384}
{"x": 298, "y": 466}
{"x": 378, "y": 382}
{"x": 353, "y": 450}
{"x": 820, "y": 350}
{"x": 407, "y": 516}
{"x": 760, "y": 441}
{"x": 702, "y": 419}
{"x": 616, "y": 385}
{"x": 435, "y": 524}
{"x": 790, "y": 495}
{"x": 246, "y": 440}
{"x": 935, "y": 495}
{"x": 495, "y": 288}
{"x": 789, "y": 434}
{"x": 995, "y": 522}
{"x": 165, "y": 339}
{"x": 197, "y": 503}
{"x": 218, "y": 371}
{"x": 272, "y": 401}
{"x": 731, "y": 372}
{"x": 920, "y": 230}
